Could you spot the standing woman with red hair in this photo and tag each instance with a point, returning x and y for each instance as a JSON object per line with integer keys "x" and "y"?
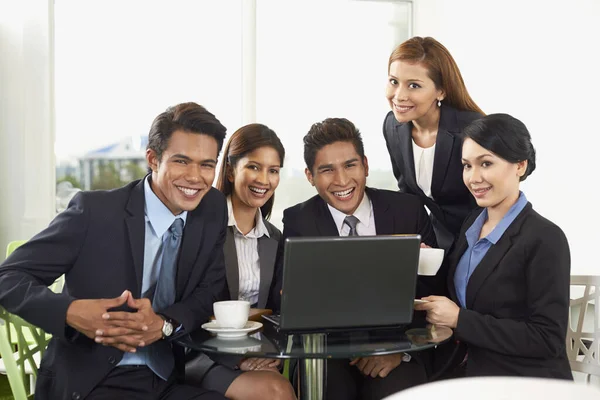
{"x": 423, "y": 131}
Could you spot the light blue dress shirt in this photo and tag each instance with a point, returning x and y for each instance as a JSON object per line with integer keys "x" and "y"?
{"x": 478, "y": 248}
{"x": 158, "y": 220}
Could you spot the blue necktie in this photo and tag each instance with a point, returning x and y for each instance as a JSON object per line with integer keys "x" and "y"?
{"x": 164, "y": 295}
{"x": 160, "y": 355}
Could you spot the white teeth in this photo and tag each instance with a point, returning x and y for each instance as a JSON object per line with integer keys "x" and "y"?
{"x": 345, "y": 193}
{"x": 257, "y": 190}
{"x": 188, "y": 191}
{"x": 402, "y": 108}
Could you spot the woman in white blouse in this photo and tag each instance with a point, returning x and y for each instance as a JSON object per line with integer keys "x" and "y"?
{"x": 430, "y": 106}
{"x": 249, "y": 176}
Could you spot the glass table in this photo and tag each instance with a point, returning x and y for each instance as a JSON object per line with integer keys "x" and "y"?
{"x": 313, "y": 348}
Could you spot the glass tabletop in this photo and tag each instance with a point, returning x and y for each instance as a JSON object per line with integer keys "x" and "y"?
{"x": 269, "y": 342}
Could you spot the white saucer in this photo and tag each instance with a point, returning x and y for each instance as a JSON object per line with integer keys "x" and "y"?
{"x": 228, "y": 333}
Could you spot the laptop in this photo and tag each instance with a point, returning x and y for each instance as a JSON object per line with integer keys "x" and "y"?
{"x": 332, "y": 283}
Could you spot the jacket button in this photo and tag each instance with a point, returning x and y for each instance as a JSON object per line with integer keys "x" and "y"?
{"x": 112, "y": 360}
{"x": 76, "y": 396}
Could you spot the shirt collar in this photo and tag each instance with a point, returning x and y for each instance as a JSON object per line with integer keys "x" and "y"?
{"x": 259, "y": 230}
{"x": 473, "y": 232}
{"x": 363, "y": 213}
{"x": 160, "y": 217}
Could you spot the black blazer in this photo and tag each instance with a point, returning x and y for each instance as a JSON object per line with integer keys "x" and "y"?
{"x": 452, "y": 201}
{"x": 267, "y": 253}
{"x": 517, "y": 299}
{"x": 394, "y": 213}
{"x": 98, "y": 243}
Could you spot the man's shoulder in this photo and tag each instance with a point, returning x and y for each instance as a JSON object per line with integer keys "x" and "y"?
{"x": 117, "y": 197}
{"x": 214, "y": 203}
{"x": 306, "y": 208}
{"x": 394, "y": 198}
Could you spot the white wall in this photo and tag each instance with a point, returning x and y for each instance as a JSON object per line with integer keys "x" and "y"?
{"x": 538, "y": 61}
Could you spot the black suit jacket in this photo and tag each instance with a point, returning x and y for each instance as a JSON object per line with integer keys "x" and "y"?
{"x": 394, "y": 213}
{"x": 268, "y": 249}
{"x": 98, "y": 243}
{"x": 517, "y": 299}
{"x": 451, "y": 201}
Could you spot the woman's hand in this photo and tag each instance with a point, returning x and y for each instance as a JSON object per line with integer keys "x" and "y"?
{"x": 440, "y": 311}
{"x": 259, "y": 364}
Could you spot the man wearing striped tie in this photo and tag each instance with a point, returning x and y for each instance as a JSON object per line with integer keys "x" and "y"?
{"x": 338, "y": 168}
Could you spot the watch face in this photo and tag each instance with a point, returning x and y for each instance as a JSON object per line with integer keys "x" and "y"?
{"x": 167, "y": 329}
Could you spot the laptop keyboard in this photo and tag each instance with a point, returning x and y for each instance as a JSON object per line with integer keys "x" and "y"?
{"x": 273, "y": 318}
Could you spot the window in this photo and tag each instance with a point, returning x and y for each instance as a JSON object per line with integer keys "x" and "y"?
{"x": 320, "y": 59}
{"x": 118, "y": 66}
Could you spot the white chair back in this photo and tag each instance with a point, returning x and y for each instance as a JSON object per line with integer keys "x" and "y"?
{"x": 583, "y": 335}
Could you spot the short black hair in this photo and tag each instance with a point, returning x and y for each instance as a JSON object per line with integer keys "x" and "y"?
{"x": 329, "y": 131}
{"x": 505, "y": 136}
{"x": 188, "y": 117}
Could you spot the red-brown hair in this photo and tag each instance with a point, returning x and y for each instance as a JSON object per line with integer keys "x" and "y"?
{"x": 442, "y": 69}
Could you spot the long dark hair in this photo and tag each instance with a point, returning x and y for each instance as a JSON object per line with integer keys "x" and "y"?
{"x": 244, "y": 141}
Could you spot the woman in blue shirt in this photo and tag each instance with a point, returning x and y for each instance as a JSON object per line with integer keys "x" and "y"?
{"x": 509, "y": 272}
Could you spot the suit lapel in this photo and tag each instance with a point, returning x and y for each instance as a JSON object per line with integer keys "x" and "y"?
{"x": 444, "y": 143}
{"x": 136, "y": 229}
{"x": 267, "y": 252}
{"x": 324, "y": 222}
{"x": 459, "y": 249}
{"x": 404, "y": 134}
{"x": 384, "y": 225}
{"x": 493, "y": 257}
{"x": 232, "y": 271}
{"x": 192, "y": 239}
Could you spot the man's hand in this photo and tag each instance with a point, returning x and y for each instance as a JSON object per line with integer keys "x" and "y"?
{"x": 259, "y": 364}
{"x": 132, "y": 329}
{"x": 378, "y": 365}
{"x": 440, "y": 311}
{"x": 87, "y": 316}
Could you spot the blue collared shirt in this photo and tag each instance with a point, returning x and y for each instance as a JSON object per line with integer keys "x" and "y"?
{"x": 158, "y": 220}
{"x": 478, "y": 248}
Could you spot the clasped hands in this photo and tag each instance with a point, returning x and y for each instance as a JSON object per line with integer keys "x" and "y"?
{"x": 121, "y": 329}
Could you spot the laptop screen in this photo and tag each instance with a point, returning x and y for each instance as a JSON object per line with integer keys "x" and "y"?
{"x": 345, "y": 282}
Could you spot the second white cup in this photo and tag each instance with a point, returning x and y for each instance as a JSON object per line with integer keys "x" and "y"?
{"x": 430, "y": 261}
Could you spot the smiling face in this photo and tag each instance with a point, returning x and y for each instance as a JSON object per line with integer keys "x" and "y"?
{"x": 493, "y": 181}
{"x": 411, "y": 94}
{"x": 340, "y": 176}
{"x": 255, "y": 177}
{"x": 186, "y": 171}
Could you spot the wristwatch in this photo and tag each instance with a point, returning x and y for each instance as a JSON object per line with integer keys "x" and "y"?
{"x": 167, "y": 328}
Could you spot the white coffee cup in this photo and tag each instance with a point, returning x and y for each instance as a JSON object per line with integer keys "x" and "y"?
{"x": 430, "y": 261}
{"x": 231, "y": 313}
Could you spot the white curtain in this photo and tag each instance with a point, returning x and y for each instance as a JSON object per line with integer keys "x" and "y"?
{"x": 27, "y": 174}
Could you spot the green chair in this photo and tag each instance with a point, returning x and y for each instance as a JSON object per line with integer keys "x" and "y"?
{"x": 13, "y": 245}
{"x": 21, "y": 365}
{"x": 22, "y": 345}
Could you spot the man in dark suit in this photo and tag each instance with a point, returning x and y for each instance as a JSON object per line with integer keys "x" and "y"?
{"x": 336, "y": 165}
{"x": 142, "y": 263}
